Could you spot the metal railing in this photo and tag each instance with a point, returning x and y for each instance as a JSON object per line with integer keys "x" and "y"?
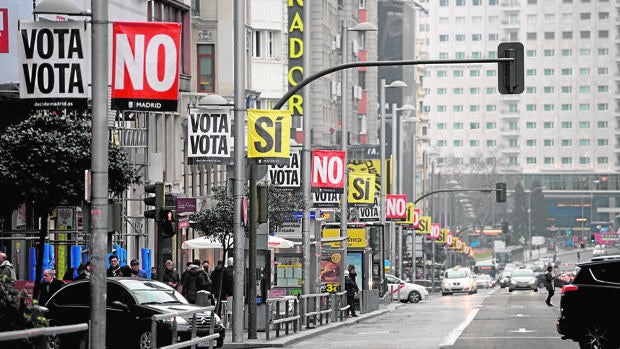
{"x": 277, "y": 317}
{"x": 41, "y": 334}
{"x": 193, "y": 339}
{"x": 316, "y": 306}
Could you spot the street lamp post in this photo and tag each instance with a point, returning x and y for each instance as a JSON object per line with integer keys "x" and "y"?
{"x": 529, "y": 215}
{"x": 413, "y": 120}
{"x": 382, "y": 151}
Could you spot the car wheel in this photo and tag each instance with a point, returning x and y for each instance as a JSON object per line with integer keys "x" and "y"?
{"x": 414, "y": 297}
{"x": 145, "y": 339}
{"x": 510, "y": 290}
{"x": 535, "y": 290}
{"x": 445, "y": 293}
{"x": 597, "y": 336}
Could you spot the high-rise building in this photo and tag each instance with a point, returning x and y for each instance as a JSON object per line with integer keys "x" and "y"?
{"x": 561, "y": 132}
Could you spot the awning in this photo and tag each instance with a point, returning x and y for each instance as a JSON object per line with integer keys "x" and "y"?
{"x": 206, "y": 243}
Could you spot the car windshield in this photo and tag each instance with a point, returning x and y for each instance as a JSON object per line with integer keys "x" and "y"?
{"x": 455, "y": 274}
{"x": 153, "y": 292}
{"x": 522, "y": 273}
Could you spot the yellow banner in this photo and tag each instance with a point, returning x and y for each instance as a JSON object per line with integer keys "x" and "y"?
{"x": 357, "y": 237}
{"x": 269, "y": 134}
{"x": 425, "y": 225}
{"x": 361, "y": 189}
{"x": 443, "y": 236}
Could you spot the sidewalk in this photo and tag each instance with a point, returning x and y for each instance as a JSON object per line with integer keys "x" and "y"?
{"x": 285, "y": 340}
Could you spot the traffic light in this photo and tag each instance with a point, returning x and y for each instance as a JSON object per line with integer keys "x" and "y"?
{"x": 510, "y": 74}
{"x": 592, "y": 238}
{"x": 168, "y": 221}
{"x": 500, "y": 192}
{"x": 504, "y": 228}
{"x": 158, "y": 200}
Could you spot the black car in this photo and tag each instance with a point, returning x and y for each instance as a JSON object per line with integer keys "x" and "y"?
{"x": 590, "y": 305}
{"x": 130, "y": 305}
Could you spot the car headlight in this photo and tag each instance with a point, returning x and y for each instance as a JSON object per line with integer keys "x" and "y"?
{"x": 532, "y": 282}
{"x": 514, "y": 282}
{"x": 446, "y": 283}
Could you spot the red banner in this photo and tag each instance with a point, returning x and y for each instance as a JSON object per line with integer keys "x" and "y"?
{"x": 4, "y": 30}
{"x": 145, "y": 65}
{"x": 328, "y": 170}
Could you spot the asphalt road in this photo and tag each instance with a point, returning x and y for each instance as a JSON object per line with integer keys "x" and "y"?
{"x": 492, "y": 318}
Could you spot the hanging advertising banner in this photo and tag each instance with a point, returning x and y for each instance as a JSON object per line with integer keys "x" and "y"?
{"x": 145, "y": 65}
{"x": 328, "y": 170}
{"x": 330, "y": 271}
{"x": 425, "y": 225}
{"x": 369, "y": 213}
{"x": 54, "y": 64}
{"x": 4, "y": 30}
{"x": 443, "y": 237}
{"x": 395, "y": 207}
{"x": 288, "y": 175}
{"x": 366, "y": 213}
{"x": 361, "y": 190}
{"x": 269, "y": 141}
{"x": 324, "y": 199}
{"x": 296, "y": 51}
{"x": 209, "y": 135}
{"x": 435, "y": 231}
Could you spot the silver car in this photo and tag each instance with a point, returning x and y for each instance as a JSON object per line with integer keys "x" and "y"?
{"x": 523, "y": 279}
{"x": 458, "y": 280}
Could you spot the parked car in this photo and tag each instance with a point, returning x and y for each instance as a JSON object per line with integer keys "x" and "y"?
{"x": 130, "y": 304}
{"x": 405, "y": 291}
{"x": 484, "y": 281}
{"x": 599, "y": 250}
{"x": 504, "y": 280}
{"x": 589, "y": 306}
{"x": 427, "y": 284}
{"x": 458, "y": 280}
{"x": 523, "y": 279}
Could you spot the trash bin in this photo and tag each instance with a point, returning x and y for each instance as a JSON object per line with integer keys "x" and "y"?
{"x": 203, "y": 298}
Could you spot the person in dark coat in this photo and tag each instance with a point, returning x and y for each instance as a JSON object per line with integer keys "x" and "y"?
{"x": 81, "y": 272}
{"x": 217, "y": 278}
{"x": 114, "y": 266}
{"x": 351, "y": 288}
{"x": 170, "y": 276}
{"x": 49, "y": 286}
{"x": 190, "y": 284}
{"x": 228, "y": 279}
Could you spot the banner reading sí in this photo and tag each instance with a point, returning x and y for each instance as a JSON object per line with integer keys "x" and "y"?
{"x": 145, "y": 65}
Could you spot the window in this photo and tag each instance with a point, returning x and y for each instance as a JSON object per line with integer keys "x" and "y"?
{"x": 530, "y": 142}
{"x": 493, "y": 37}
{"x": 602, "y": 106}
{"x": 566, "y": 124}
{"x": 491, "y": 125}
{"x": 584, "y": 89}
{"x": 602, "y": 88}
{"x": 444, "y": 55}
{"x": 548, "y": 107}
{"x": 474, "y": 73}
{"x": 459, "y": 55}
{"x": 566, "y": 160}
{"x": 476, "y": 54}
{"x": 567, "y": 52}
{"x": 584, "y": 106}
{"x": 584, "y": 71}
{"x": 443, "y": 37}
{"x": 584, "y": 124}
{"x": 442, "y": 143}
{"x": 491, "y": 107}
{"x": 602, "y": 71}
{"x": 548, "y": 89}
{"x": 549, "y": 35}
{"x": 548, "y": 142}
{"x": 441, "y": 108}
{"x": 601, "y": 160}
{"x": 206, "y": 68}
{"x": 530, "y": 89}
{"x": 491, "y": 90}
{"x": 474, "y": 108}
{"x": 442, "y": 91}
{"x": 458, "y": 73}
{"x": 603, "y": 34}
{"x": 457, "y": 143}
{"x": 474, "y": 90}
{"x": 512, "y": 160}
{"x": 548, "y": 160}
{"x": 491, "y": 143}
{"x": 567, "y": 89}
{"x": 530, "y": 160}
{"x": 567, "y": 35}
{"x": 460, "y": 20}
{"x": 584, "y": 52}
{"x": 566, "y": 107}
{"x": 602, "y": 124}
{"x": 584, "y": 34}
{"x": 476, "y": 37}
{"x": 603, "y": 52}
{"x": 474, "y": 143}
{"x": 549, "y": 53}
{"x": 441, "y": 125}
{"x": 548, "y": 124}
{"x": 457, "y": 108}
{"x": 512, "y": 143}
{"x": 583, "y": 160}
{"x": 460, "y": 37}
{"x": 567, "y": 142}
{"x": 442, "y": 73}
{"x": 530, "y": 125}
{"x": 530, "y": 107}
{"x": 584, "y": 142}
{"x": 491, "y": 72}
{"x": 474, "y": 125}
{"x": 548, "y": 72}
{"x": 531, "y": 18}
{"x": 513, "y": 125}
{"x": 531, "y": 53}
{"x": 602, "y": 142}
{"x": 584, "y": 15}
{"x": 531, "y": 36}
{"x": 263, "y": 44}
{"x": 443, "y": 3}
{"x": 567, "y": 71}
{"x": 458, "y": 91}
{"x": 457, "y": 125}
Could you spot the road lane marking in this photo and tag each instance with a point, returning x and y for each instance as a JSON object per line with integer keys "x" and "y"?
{"x": 454, "y": 334}
{"x": 522, "y": 330}
{"x": 513, "y": 337}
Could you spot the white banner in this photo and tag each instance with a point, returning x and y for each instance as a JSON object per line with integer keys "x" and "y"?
{"x": 54, "y": 60}
{"x": 289, "y": 175}
{"x": 209, "y": 137}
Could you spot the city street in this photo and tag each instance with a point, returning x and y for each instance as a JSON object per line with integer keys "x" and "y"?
{"x": 492, "y": 318}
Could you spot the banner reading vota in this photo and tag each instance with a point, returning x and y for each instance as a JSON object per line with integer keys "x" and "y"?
{"x": 145, "y": 65}
{"x": 209, "y": 136}
{"x": 54, "y": 69}
{"x": 287, "y": 175}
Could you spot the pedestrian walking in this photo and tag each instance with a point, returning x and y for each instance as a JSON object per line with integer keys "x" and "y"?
{"x": 190, "y": 284}
{"x": 184, "y": 274}
{"x": 136, "y": 271}
{"x": 49, "y": 286}
{"x": 7, "y": 269}
{"x": 228, "y": 282}
{"x": 170, "y": 276}
{"x": 217, "y": 278}
{"x": 114, "y": 267}
{"x": 549, "y": 285}
{"x": 351, "y": 288}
